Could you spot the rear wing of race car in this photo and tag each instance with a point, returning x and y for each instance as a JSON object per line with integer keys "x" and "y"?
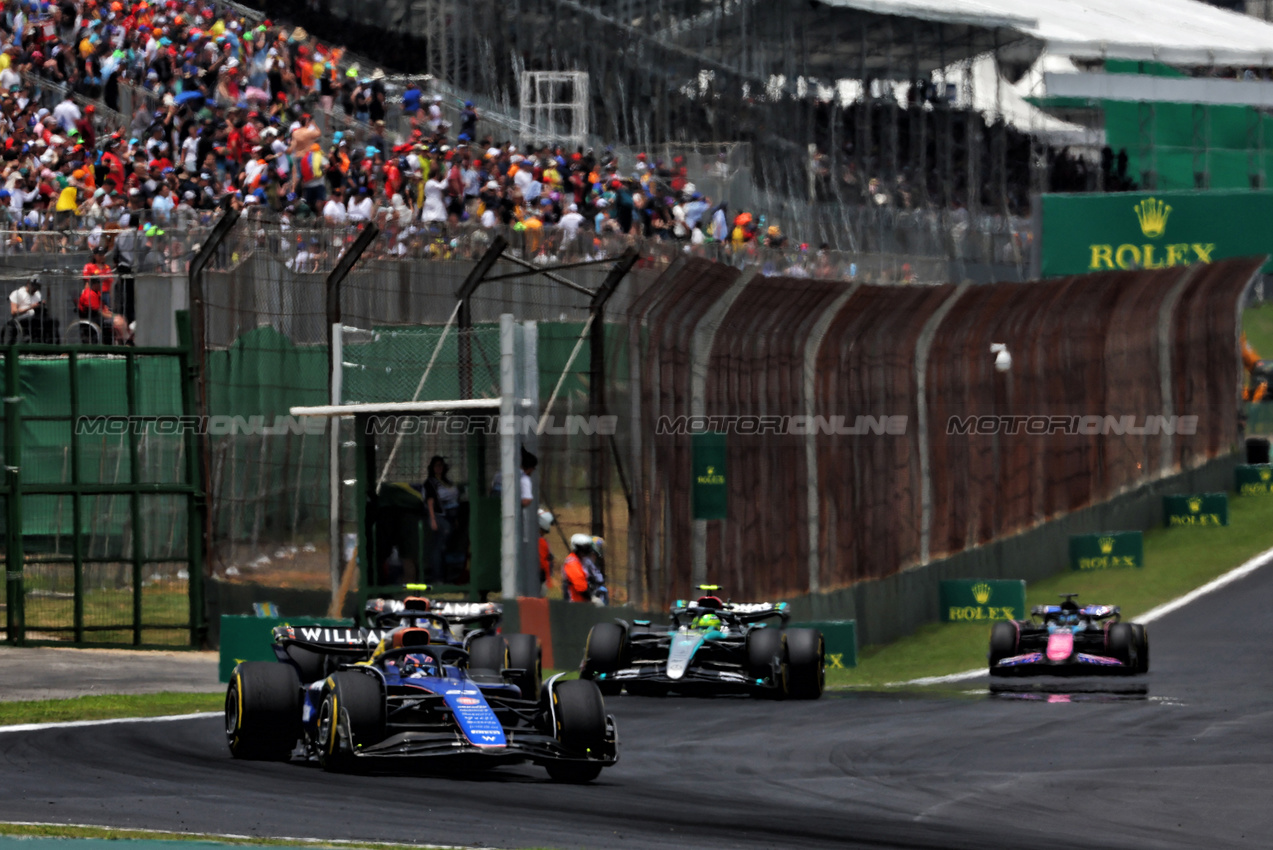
{"x": 381, "y": 612}
{"x": 736, "y": 612}
{"x": 1092, "y": 612}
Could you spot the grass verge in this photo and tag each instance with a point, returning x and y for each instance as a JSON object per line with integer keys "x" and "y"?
{"x": 1176, "y": 561}
{"x": 21, "y": 830}
{"x": 107, "y": 706}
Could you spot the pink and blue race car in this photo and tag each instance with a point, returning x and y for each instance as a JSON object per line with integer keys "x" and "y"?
{"x": 1066, "y": 639}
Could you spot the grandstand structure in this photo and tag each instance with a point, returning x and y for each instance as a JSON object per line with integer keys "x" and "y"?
{"x": 844, "y": 120}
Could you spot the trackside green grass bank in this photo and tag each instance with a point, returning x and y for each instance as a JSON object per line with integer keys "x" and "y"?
{"x": 1176, "y": 561}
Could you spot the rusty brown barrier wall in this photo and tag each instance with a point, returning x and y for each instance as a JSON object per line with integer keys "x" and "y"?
{"x": 820, "y": 511}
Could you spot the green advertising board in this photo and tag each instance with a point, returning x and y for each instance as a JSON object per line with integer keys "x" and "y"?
{"x": 1107, "y": 551}
{"x": 710, "y": 489}
{"x": 252, "y": 638}
{"x": 972, "y": 599}
{"x": 1253, "y": 479}
{"x": 1196, "y": 510}
{"x": 840, "y": 637}
{"x": 1152, "y": 230}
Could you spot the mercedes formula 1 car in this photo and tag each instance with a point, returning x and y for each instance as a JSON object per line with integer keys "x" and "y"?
{"x": 1066, "y": 639}
{"x": 399, "y": 695}
{"x": 712, "y": 646}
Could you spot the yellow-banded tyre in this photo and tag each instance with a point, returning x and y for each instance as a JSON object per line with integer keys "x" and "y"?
{"x": 263, "y": 711}
{"x": 352, "y": 716}
{"x": 579, "y": 713}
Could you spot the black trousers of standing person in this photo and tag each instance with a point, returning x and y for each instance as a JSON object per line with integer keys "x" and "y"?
{"x": 122, "y": 298}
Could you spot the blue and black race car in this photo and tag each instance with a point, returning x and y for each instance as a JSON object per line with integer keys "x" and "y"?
{"x": 1067, "y": 639}
{"x": 710, "y": 646}
{"x": 472, "y": 626}
{"x": 400, "y": 695}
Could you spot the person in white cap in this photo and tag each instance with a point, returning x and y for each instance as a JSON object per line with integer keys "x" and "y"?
{"x": 545, "y": 553}
{"x": 570, "y": 224}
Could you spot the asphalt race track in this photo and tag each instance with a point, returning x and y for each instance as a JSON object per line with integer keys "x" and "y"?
{"x": 1178, "y": 758}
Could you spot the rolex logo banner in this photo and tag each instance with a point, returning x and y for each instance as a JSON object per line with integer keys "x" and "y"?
{"x": 1196, "y": 509}
{"x": 1253, "y": 479}
{"x": 1152, "y": 230}
{"x": 974, "y": 599}
{"x": 1107, "y": 551}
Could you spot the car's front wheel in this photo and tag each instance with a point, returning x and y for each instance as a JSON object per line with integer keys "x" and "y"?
{"x": 604, "y": 653}
{"x": 1003, "y": 643}
{"x": 1141, "y": 636}
{"x": 352, "y": 716}
{"x": 579, "y": 713}
{"x": 767, "y": 662}
{"x": 1122, "y": 645}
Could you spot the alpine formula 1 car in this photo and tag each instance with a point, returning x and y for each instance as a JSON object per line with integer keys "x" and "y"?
{"x": 472, "y": 626}
{"x": 400, "y": 695}
{"x": 1066, "y": 639}
{"x": 711, "y": 646}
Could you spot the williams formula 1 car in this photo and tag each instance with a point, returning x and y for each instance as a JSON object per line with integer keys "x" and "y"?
{"x": 472, "y": 626}
{"x": 1066, "y": 639}
{"x": 400, "y": 695}
{"x": 712, "y": 646}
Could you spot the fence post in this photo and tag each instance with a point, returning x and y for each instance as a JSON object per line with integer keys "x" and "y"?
{"x": 16, "y": 620}
{"x": 134, "y": 498}
{"x": 597, "y": 477}
{"x": 198, "y": 325}
{"x": 77, "y": 543}
{"x": 196, "y": 505}
{"x": 335, "y": 348}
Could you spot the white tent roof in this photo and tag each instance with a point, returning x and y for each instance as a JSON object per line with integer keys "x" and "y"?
{"x": 1184, "y": 32}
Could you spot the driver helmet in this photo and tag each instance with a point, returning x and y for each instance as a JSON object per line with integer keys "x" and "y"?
{"x": 706, "y": 621}
{"x": 598, "y": 546}
{"x": 414, "y": 664}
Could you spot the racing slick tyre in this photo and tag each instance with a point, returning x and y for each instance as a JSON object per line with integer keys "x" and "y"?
{"x": 352, "y": 715}
{"x": 489, "y": 654}
{"x": 1122, "y": 645}
{"x": 1003, "y": 644}
{"x": 1142, "y": 647}
{"x": 604, "y": 653}
{"x": 580, "y": 715}
{"x": 524, "y": 654}
{"x": 765, "y": 648}
{"x": 263, "y": 711}
{"x": 806, "y": 663}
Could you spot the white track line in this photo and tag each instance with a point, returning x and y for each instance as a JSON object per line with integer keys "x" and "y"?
{"x": 1240, "y": 572}
{"x": 71, "y": 724}
{"x": 339, "y": 842}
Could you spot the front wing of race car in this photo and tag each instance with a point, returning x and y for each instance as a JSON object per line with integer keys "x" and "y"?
{"x": 1079, "y": 663}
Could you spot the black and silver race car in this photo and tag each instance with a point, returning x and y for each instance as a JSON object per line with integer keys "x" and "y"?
{"x": 398, "y": 695}
{"x": 1065, "y": 639}
{"x": 710, "y": 646}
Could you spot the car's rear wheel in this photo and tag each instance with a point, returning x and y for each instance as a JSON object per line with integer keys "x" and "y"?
{"x": 580, "y": 715}
{"x": 767, "y": 660}
{"x": 1004, "y": 640}
{"x": 1142, "y": 647}
{"x": 263, "y": 711}
{"x": 524, "y": 654}
{"x": 604, "y": 653}
{"x": 488, "y": 653}
{"x": 1122, "y": 645}
{"x": 352, "y": 716}
{"x": 806, "y": 663}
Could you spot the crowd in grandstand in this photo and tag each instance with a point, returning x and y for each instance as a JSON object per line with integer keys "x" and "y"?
{"x": 233, "y": 126}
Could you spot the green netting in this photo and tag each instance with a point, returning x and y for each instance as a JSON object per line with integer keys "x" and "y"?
{"x": 1178, "y": 140}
